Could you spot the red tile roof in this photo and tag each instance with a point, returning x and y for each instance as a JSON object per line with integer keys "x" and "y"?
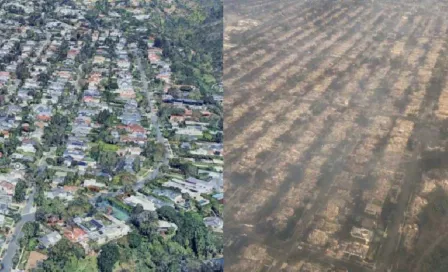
{"x": 75, "y": 234}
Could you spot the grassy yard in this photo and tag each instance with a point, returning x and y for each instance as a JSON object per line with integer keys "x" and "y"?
{"x": 108, "y": 147}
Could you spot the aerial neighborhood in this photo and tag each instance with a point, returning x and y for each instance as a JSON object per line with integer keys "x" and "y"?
{"x": 111, "y": 155}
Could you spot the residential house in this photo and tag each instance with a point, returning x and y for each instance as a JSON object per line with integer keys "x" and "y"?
{"x": 5, "y": 203}
{"x": 28, "y": 148}
{"x": 75, "y": 154}
{"x": 7, "y": 187}
{"x": 165, "y": 226}
{"x": 158, "y": 203}
{"x": 50, "y": 239}
{"x": 75, "y": 234}
{"x": 191, "y": 132}
{"x": 2, "y": 220}
{"x": 174, "y": 196}
{"x": 59, "y": 177}
{"x": 215, "y": 223}
{"x": 134, "y": 200}
{"x": 60, "y": 193}
{"x": 93, "y": 183}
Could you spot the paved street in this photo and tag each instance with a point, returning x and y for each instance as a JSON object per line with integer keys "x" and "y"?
{"x": 27, "y": 216}
{"x": 155, "y": 123}
{"x": 149, "y": 96}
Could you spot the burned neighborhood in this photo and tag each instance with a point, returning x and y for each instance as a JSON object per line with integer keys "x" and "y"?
{"x": 336, "y": 135}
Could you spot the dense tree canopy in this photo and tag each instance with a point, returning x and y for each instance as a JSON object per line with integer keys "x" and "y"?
{"x": 108, "y": 257}
{"x": 62, "y": 254}
{"x": 20, "y": 191}
{"x": 54, "y": 133}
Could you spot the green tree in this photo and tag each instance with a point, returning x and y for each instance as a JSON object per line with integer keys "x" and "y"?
{"x": 104, "y": 117}
{"x": 134, "y": 240}
{"x": 108, "y": 160}
{"x": 79, "y": 206}
{"x": 136, "y": 164}
{"x": 146, "y": 222}
{"x": 61, "y": 254}
{"x": 218, "y": 137}
{"x": 168, "y": 213}
{"x": 30, "y": 230}
{"x": 194, "y": 234}
{"x": 127, "y": 189}
{"x": 22, "y": 71}
{"x": 107, "y": 258}
{"x": 20, "y": 191}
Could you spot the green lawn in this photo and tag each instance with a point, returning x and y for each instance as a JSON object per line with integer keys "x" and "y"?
{"x": 108, "y": 147}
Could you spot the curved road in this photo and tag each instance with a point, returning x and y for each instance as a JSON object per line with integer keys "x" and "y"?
{"x": 27, "y": 216}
